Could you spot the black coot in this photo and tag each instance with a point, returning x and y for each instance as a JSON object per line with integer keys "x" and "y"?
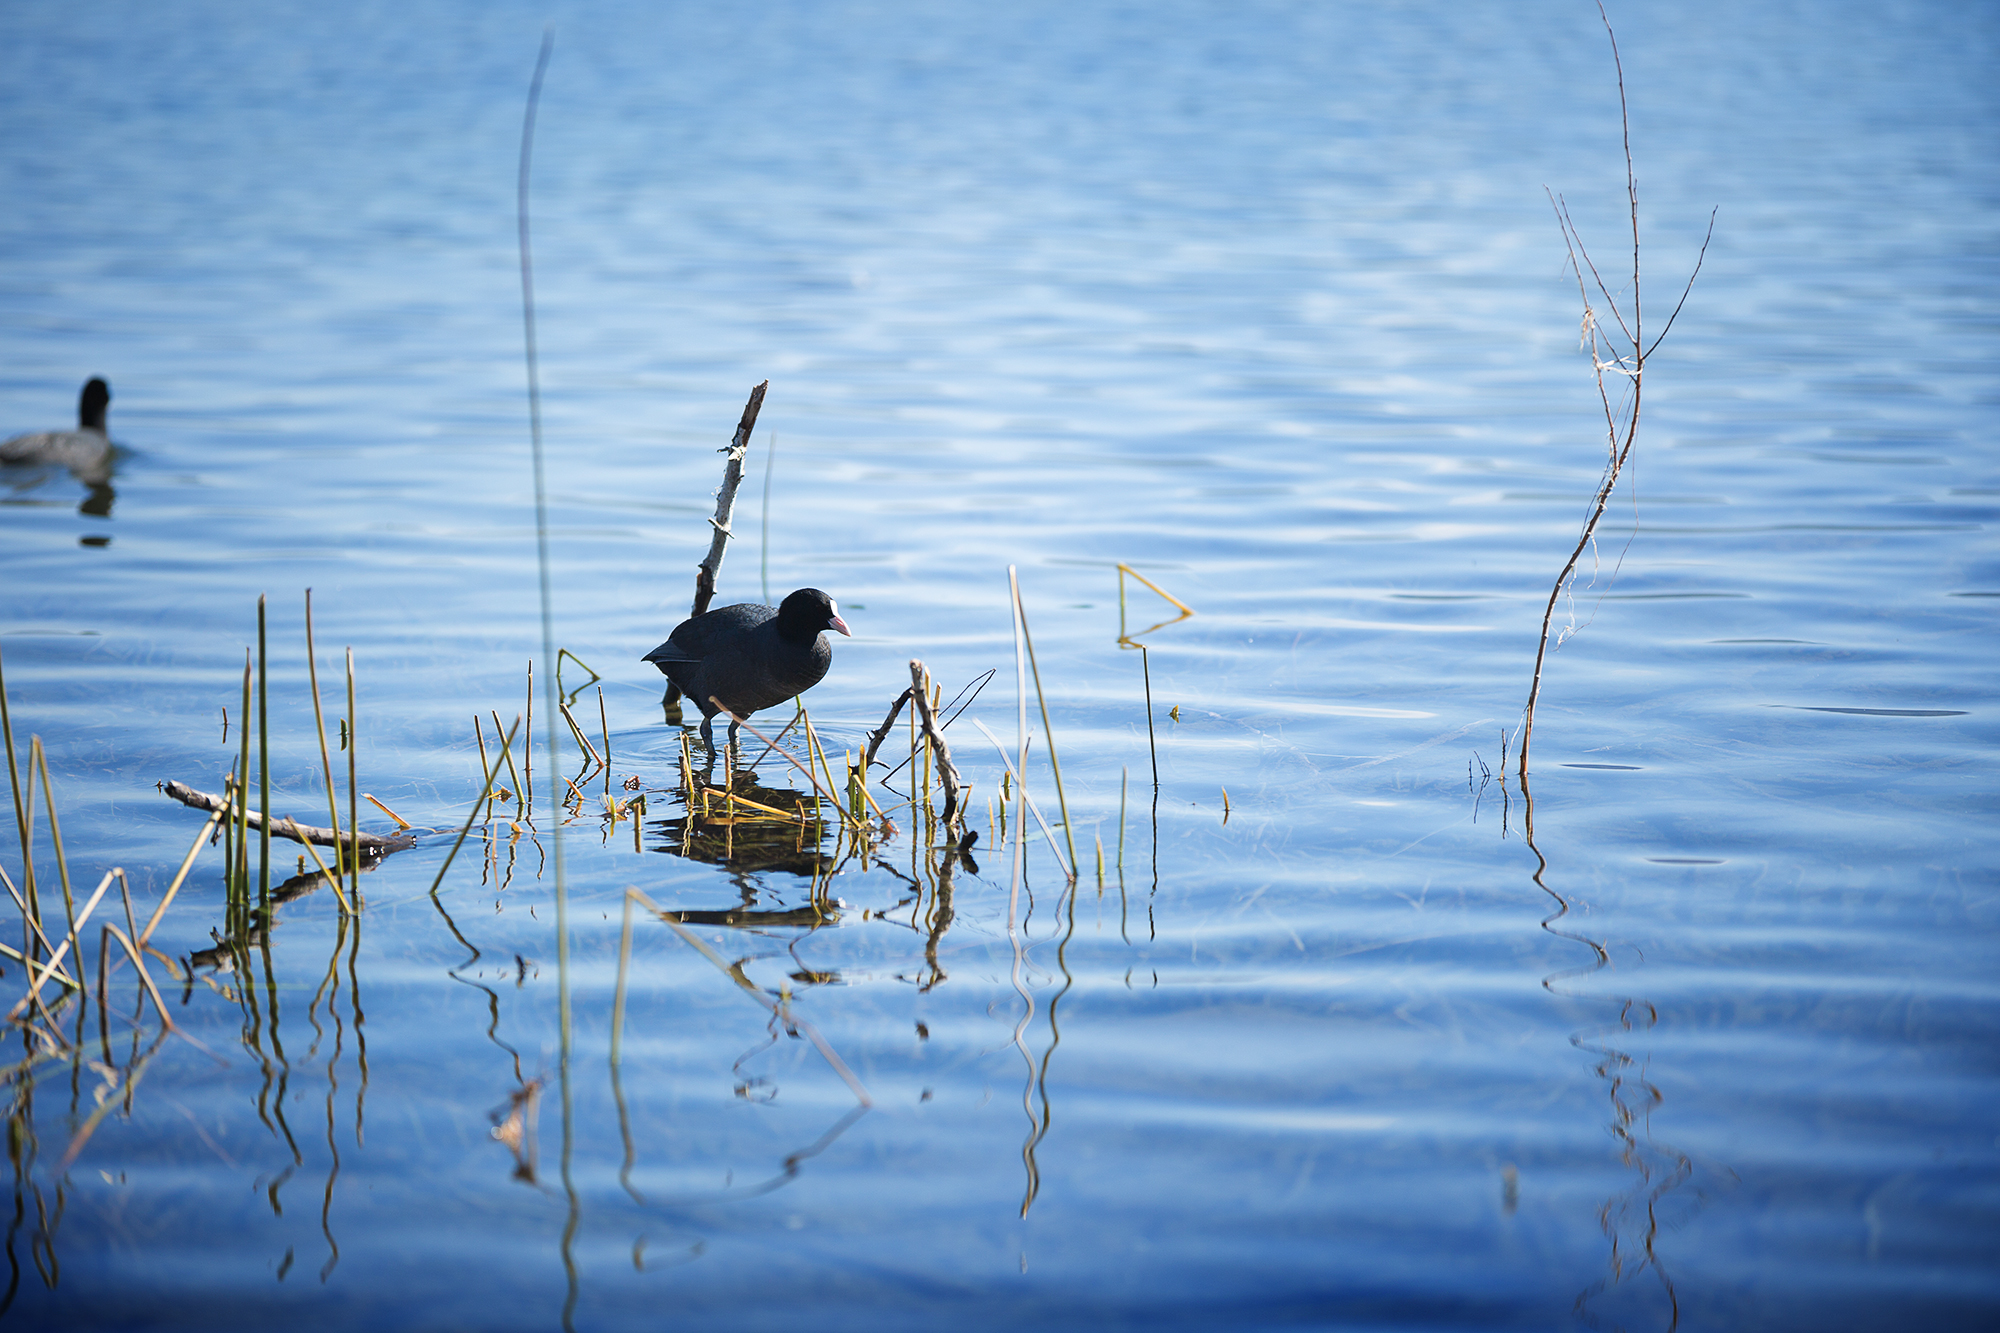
{"x": 750, "y": 656}
{"x": 85, "y": 451}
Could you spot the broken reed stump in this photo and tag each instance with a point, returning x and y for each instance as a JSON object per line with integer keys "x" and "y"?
{"x": 918, "y": 696}
{"x": 287, "y": 827}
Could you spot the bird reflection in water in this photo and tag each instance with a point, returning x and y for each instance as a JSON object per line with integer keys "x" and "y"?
{"x": 749, "y": 828}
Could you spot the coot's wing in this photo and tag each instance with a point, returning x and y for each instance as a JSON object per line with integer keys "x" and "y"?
{"x": 670, "y": 652}
{"x": 704, "y": 635}
{"x": 29, "y": 448}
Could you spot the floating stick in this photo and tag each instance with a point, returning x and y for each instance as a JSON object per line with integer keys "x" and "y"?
{"x": 368, "y": 842}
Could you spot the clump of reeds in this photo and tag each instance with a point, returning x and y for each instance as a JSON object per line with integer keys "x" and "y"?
{"x": 62, "y": 988}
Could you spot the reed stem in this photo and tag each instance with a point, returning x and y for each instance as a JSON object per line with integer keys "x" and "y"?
{"x": 243, "y": 789}
{"x": 479, "y": 735}
{"x": 353, "y": 781}
{"x": 1124, "y": 775}
{"x": 22, "y": 813}
{"x": 1152, "y": 747}
{"x": 618, "y": 996}
{"x": 1055, "y": 764}
{"x": 604, "y": 721}
{"x": 491, "y": 771}
{"x": 40, "y": 757}
{"x": 325, "y": 759}
{"x": 263, "y": 764}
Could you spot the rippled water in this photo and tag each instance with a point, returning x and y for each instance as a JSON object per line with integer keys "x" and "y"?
{"x": 1265, "y": 301}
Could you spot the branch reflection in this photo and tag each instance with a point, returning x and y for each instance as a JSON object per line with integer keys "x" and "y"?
{"x": 1630, "y": 1218}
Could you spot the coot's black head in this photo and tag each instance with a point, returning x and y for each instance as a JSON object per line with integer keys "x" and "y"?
{"x": 805, "y": 613}
{"x": 90, "y": 408}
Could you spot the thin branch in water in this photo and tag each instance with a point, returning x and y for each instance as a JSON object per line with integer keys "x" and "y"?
{"x": 1621, "y": 421}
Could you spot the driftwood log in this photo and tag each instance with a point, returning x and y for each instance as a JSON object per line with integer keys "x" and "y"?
{"x": 286, "y": 827}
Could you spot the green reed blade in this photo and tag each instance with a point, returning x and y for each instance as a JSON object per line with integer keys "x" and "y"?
{"x": 353, "y": 782}
{"x": 40, "y": 758}
{"x": 263, "y": 764}
{"x": 22, "y": 813}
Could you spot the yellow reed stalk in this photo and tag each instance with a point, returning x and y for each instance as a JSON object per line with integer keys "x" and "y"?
{"x": 325, "y": 758}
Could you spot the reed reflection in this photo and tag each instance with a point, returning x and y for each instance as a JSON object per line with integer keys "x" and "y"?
{"x": 783, "y": 1021}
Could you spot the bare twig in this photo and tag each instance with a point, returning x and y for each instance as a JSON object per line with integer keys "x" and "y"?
{"x": 1608, "y": 357}
{"x": 876, "y": 737}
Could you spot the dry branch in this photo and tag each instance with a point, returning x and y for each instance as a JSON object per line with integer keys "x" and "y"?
{"x": 286, "y": 827}
{"x": 1608, "y": 358}
{"x": 920, "y": 692}
{"x": 725, "y": 502}
{"x": 876, "y": 737}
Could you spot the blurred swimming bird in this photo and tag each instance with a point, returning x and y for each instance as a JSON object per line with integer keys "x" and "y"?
{"x": 85, "y": 451}
{"x": 750, "y": 656}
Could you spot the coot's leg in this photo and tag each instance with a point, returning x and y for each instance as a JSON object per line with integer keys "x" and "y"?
{"x": 708, "y": 734}
{"x": 734, "y": 746}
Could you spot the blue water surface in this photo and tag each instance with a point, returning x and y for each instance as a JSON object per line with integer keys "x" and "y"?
{"x": 1267, "y": 301}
